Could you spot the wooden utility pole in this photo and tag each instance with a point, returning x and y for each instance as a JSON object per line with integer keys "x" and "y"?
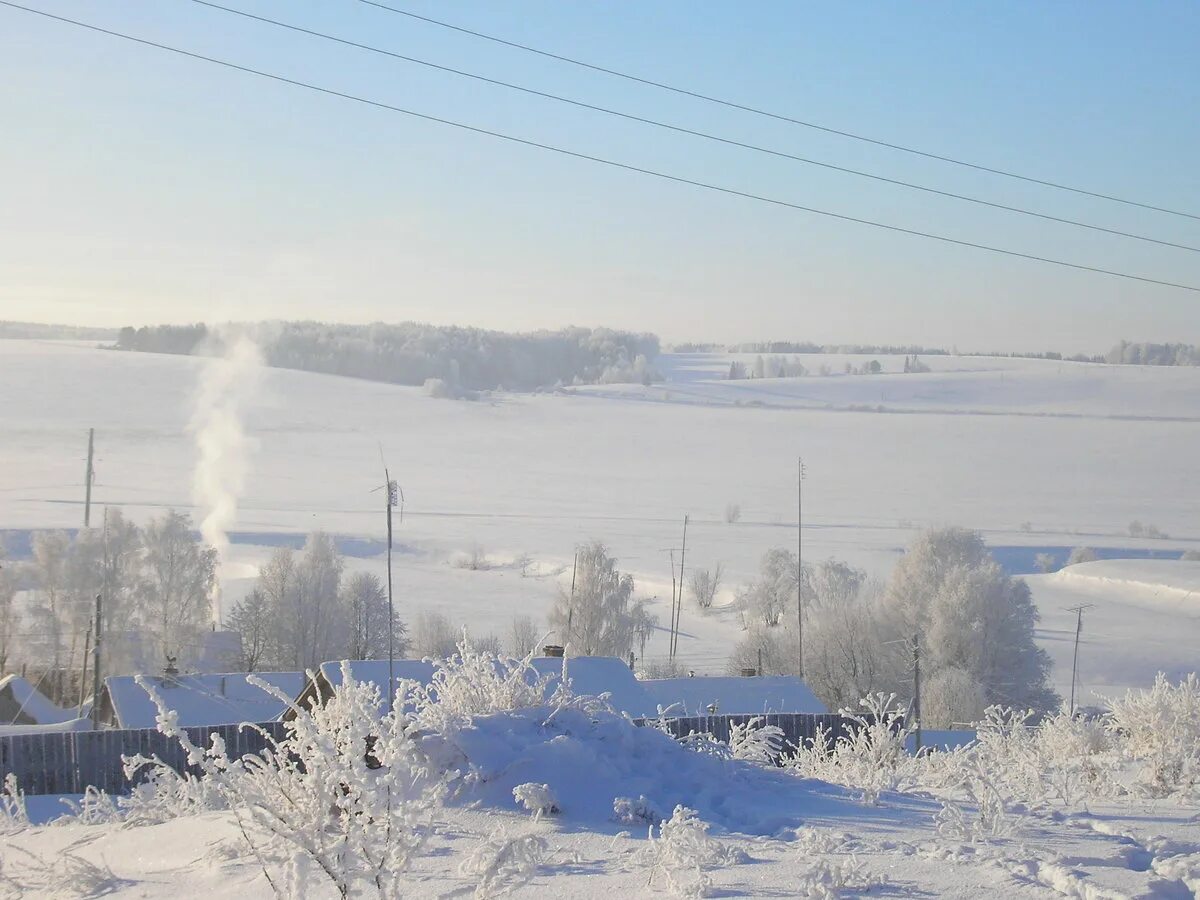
{"x": 87, "y": 648}
{"x": 679, "y": 614}
{"x": 96, "y": 665}
{"x": 800, "y": 567}
{"x": 1078, "y": 610}
{"x": 571, "y": 602}
{"x": 916, "y": 649}
{"x": 392, "y": 499}
{"x": 671, "y": 634}
{"x": 88, "y": 478}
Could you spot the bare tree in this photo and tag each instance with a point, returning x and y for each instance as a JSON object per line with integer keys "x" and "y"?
{"x": 1045, "y": 562}
{"x": 253, "y": 621}
{"x": 364, "y": 603}
{"x": 433, "y": 636}
{"x": 704, "y": 584}
{"x": 175, "y": 597}
{"x": 523, "y": 636}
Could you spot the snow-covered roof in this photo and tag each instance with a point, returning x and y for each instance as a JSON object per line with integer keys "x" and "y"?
{"x": 55, "y": 727}
{"x": 734, "y": 696}
{"x": 221, "y": 699}
{"x": 22, "y": 703}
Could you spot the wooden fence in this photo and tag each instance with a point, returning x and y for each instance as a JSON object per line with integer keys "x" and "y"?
{"x": 68, "y": 762}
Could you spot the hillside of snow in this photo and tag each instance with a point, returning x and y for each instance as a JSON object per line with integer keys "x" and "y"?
{"x": 536, "y": 474}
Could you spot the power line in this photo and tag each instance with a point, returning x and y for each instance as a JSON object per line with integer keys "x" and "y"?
{"x": 778, "y": 116}
{"x": 695, "y": 133}
{"x": 599, "y": 159}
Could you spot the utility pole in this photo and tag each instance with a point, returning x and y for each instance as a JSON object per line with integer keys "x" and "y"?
{"x": 1078, "y": 610}
{"x": 96, "y": 630}
{"x": 393, "y": 498}
{"x": 679, "y": 615}
{"x": 571, "y": 603}
{"x": 800, "y": 567}
{"x": 96, "y": 665}
{"x": 88, "y": 478}
{"x": 916, "y": 649}
{"x": 671, "y": 635}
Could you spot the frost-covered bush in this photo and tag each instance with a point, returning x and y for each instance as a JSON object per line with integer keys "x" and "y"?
{"x": 474, "y": 682}
{"x": 64, "y": 874}
{"x": 873, "y": 758}
{"x": 1160, "y": 727}
{"x": 347, "y": 792}
{"x": 678, "y": 857}
{"x": 1065, "y": 759}
{"x": 503, "y": 862}
{"x": 13, "y": 814}
{"x": 826, "y": 879}
{"x": 756, "y": 742}
{"x": 641, "y": 811}
{"x": 536, "y": 798}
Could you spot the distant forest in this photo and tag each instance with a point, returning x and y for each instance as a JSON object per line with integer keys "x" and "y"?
{"x": 1124, "y": 353}
{"x": 416, "y": 354}
{"x": 39, "y": 331}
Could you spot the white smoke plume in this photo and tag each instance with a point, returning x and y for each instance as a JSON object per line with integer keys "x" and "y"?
{"x": 228, "y": 386}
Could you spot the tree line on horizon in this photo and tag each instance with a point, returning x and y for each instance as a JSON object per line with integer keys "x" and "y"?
{"x": 411, "y": 353}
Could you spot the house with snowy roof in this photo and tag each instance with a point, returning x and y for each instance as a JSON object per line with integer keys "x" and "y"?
{"x": 25, "y": 709}
{"x": 217, "y": 699}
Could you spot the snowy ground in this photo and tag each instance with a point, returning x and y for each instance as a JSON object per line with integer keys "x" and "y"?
{"x": 1115, "y": 851}
{"x": 1032, "y": 453}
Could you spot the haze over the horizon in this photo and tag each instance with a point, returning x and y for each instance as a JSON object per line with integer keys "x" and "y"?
{"x": 142, "y": 187}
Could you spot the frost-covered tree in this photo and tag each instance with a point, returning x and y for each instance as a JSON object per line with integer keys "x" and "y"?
{"x": 175, "y": 595}
{"x": 844, "y": 658}
{"x": 1082, "y": 555}
{"x": 1045, "y": 562}
{"x": 765, "y": 599}
{"x": 968, "y": 615}
{"x": 597, "y": 620}
{"x": 433, "y": 636}
{"x": 364, "y": 601}
{"x": 644, "y": 624}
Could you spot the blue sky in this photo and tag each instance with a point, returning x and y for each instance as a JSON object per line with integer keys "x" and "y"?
{"x": 143, "y": 187}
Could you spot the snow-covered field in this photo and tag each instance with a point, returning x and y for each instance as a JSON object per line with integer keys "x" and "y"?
{"x": 1032, "y": 453}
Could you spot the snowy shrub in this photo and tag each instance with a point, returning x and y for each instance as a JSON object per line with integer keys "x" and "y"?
{"x": 756, "y": 742}
{"x": 502, "y": 863}
{"x": 95, "y": 807}
{"x": 678, "y": 857}
{"x": 826, "y": 879}
{"x": 733, "y": 513}
{"x": 703, "y": 742}
{"x": 65, "y": 874}
{"x": 816, "y": 842}
{"x": 475, "y": 559}
{"x": 704, "y": 585}
{"x": 635, "y": 812}
{"x": 873, "y": 758}
{"x": 1160, "y": 727}
{"x": 13, "y": 814}
{"x": 346, "y": 791}
{"x": 536, "y": 798}
{"x": 474, "y": 682}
